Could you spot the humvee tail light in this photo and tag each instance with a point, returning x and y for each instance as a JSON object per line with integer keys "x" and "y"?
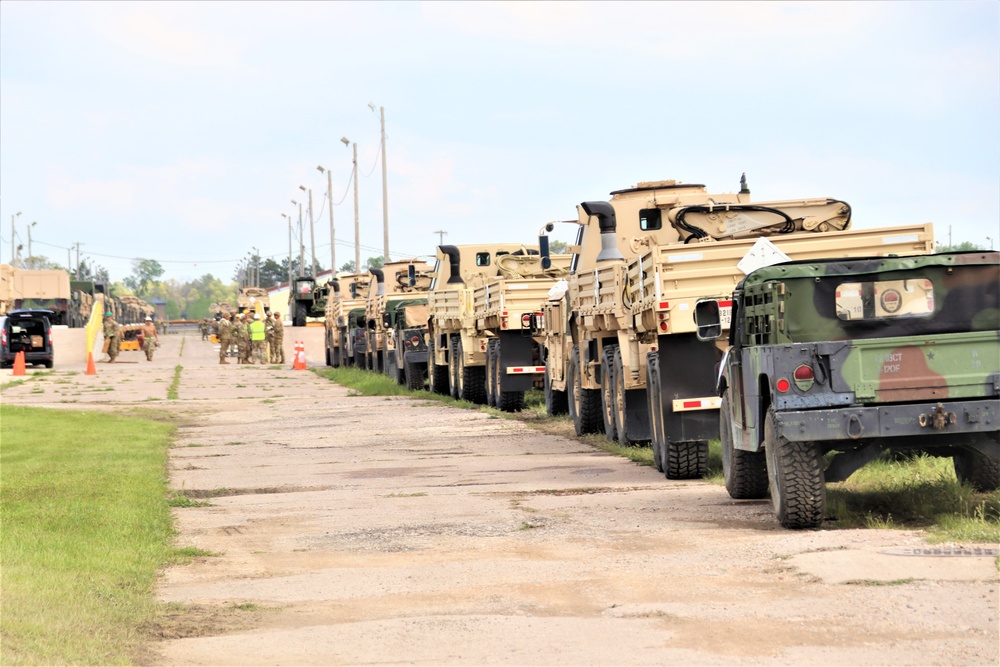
{"x": 526, "y": 320}
{"x": 782, "y": 385}
{"x": 663, "y": 326}
{"x": 804, "y": 377}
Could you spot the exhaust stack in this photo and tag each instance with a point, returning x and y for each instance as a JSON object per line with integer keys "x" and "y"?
{"x": 606, "y": 219}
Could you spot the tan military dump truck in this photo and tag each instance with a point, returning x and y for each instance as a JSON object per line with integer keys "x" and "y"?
{"x": 344, "y": 319}
{"x": 502, "y": 311}
{"x": 394, "y": 283}
{"x": 624, "y": 343}
{"x": 39, "y": 290}
{"x": 248, "y": 297}
{"x": 456, "y": 362}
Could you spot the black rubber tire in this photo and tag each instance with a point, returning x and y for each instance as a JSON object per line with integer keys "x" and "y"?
{"x": 329, "y": 350}
{"x": 507, "y": 401}
{"x": 745, "y": 472}
{"x": 584, "y": 404}
{"x": 608, "y": 392}
{"x": 438, "y": 374}
{"x": 48, "y": 362}
{"x": 491, "y": 375}
{"x": 655, "y": 408}
{"x": 795, "y": 476}
{"x": 454, "y": 387}
{"x": 472, "y": 379}
{"x": 414, "y": 375}
{"x": 299, "y": 318}
{"x": 360, "y": 361}
{"x": 976, "y": 469}
{"x": 685, "y": 460}
{"x": 400, "y": 373}
{"x": 556, "y": 402}
{"x": 621, "y": 424}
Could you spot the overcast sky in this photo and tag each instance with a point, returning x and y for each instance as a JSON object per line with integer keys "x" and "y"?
{"x": 181, "y": 131}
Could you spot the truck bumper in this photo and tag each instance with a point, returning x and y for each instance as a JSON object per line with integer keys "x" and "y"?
{"x": 890, "y": 421}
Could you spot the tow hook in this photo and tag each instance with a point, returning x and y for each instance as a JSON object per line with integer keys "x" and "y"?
{"x": 938, "y": 419}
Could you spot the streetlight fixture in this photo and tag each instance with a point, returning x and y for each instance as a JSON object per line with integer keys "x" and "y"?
{"x": 385, "y": 190}
{"x": 329, "y": 193}
{"x": 357, "y": 236}
{"x": 302, "y": 247}
{"x": 33, "y": 223}
{"x": 312, "y": 231}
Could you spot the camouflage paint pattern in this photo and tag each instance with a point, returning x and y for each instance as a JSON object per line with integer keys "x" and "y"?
{"x": 907, "y": 330}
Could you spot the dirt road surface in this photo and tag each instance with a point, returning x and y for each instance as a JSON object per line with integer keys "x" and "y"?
{"x": 353, "y": 530}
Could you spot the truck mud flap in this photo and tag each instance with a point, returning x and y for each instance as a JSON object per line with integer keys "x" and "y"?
{"x": 515, "y": 350}
{"x": 687, "y": 368}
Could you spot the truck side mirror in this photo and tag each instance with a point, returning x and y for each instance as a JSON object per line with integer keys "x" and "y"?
{"x": 411, "y": 274}
{"x": 707, "y": 319}
{"x": 354, "y": 290}
{"x": 387, "y": 320}
{"x": 543, "y": 250}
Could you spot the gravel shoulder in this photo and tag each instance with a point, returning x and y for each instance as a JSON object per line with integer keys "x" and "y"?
{"x": 359, "y": 530}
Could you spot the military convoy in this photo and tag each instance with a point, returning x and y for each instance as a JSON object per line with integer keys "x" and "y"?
{"x": 344, "y": 319}
{"x": 307, "y": 298}
{"x": 402, "y": 284}
{"x": 247, "y": 298}
{"x": 860, "y": 357}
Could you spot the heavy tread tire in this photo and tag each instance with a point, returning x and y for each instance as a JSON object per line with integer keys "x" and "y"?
{"x": 414, "y": 376}
{"x": 359, "y": 360}
{"x": 976, "y": 469}
{"x": 655, "y": 408}
{"x": 299, "y": 319}
{"x": 745, "y": 472}
{"x": 329, "y": 351}
{"x": 507, "y": 401}
{"x": 685, "y": 460}
{"x": 584, "y": 404}
{"x": 454, "y": 379}
{"x": 438, "y": 374}
{"x": 473, "y": 379}
{"x": 621, "y": 424}
{"x": 556, "y": 402}
{"x": 795, "y": 476}
{"x": 491, "y": 374}
{"x": 608, "y": 393}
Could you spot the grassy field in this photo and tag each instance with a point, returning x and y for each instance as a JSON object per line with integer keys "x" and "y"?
{"x": 921, "y": 492}
{"x": 85, "y": 528}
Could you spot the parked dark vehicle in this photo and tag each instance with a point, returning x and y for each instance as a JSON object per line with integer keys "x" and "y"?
{"x": 28, "y": 331}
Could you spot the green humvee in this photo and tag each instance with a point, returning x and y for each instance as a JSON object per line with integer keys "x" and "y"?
{"x": 861, "y": 357}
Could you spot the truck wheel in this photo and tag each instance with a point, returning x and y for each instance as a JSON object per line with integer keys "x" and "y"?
{"x": 438, "y": 374}
{"x": 795, "y": 473}
{"x": 359, "y": 360}
{"x": 624, "y": 437}
{"x": 329, "y": 350}
{"x": 299, "y": 320}
{"x": 608, "y": 398}
{"x": 454, "y": 388}
{"x": 655, "y": 408}
{"x": 491, "y": 374}
{"x": 345, "y": 359}
{"x": 507, "y": 401}
{"x": 471, "y": 379}
{"x": 980, "y": 471}
{"x": 556, "y": 402}
{"x": 414, "y": 375}
{"x": 685, "y": 460}
{"x": 745, "y": 472}
{"x": 584, "y": 404}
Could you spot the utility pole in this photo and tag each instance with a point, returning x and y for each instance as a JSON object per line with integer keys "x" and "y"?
{"x": 385, "y": 190}
{"x": 312, "y": 231}
{"x": 329, "y": 193}
{"x": 357, "y": 235}
{"x": 288, "y": 218}
{"x": 302, "y": 247}
{"x": 77, "y": 257}
{"x": 440, "y": 234}
{"x": 33, "y": 223}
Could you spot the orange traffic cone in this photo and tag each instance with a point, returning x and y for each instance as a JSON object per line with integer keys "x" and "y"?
{"x": 299, "y": 364}
{"x": 91, "y": 370}
{"x": 19, "y": 363}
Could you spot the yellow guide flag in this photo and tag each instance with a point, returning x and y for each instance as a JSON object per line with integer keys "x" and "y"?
{"x": 94, "y": 324}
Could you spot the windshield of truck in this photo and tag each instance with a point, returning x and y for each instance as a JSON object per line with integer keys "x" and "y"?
{"x": 925, "y": 301}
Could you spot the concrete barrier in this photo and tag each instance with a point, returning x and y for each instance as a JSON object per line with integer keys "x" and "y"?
{"x": 69, "y": 347}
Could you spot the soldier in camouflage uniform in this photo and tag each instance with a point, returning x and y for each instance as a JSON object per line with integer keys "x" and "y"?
{"x": 278, "y": 338}
{"x": 112, "y": 334}
{"x": 244, "y": 343}
{"x": 225, "y": 336}
{"x": 269, "y": 339}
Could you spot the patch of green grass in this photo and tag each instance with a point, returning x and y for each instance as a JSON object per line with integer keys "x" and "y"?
{"x": 406, "y": 495}
{"x": 878, "y": 582}
{"x": 269, "y": 400}
{"x": 365, "y": 383}
{"x": 178, "y": 499}
{"x": 918, "y": 492}
{"x": 183, "y": 340}
{"x": 172, "y": 389}
{"x": 85, "y": 530}
{"x": 185, "y": 554}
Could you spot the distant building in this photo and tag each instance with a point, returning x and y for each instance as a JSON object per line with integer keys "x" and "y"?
{"x": 161, "y": 308}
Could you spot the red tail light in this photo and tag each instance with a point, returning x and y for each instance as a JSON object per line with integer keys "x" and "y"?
{"x": 526, "y": 320}
{"x": 804, "y": 377}
{"x": 782, "y": 385}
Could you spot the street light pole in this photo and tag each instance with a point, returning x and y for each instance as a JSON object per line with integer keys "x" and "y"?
{"x": 357, "y": 235}
{"x": 302, "y": 247}
{"x": 13, "y": 252}
{"x": 312, "y": 231}
{"x": 385, "y": 187}
{"x": 288, "y": 218}
{"x": 33, "y": 223}
{"x": 329, "y": 193}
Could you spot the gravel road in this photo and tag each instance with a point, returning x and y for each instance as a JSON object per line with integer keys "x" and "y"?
{"x": 360, "y": 530}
